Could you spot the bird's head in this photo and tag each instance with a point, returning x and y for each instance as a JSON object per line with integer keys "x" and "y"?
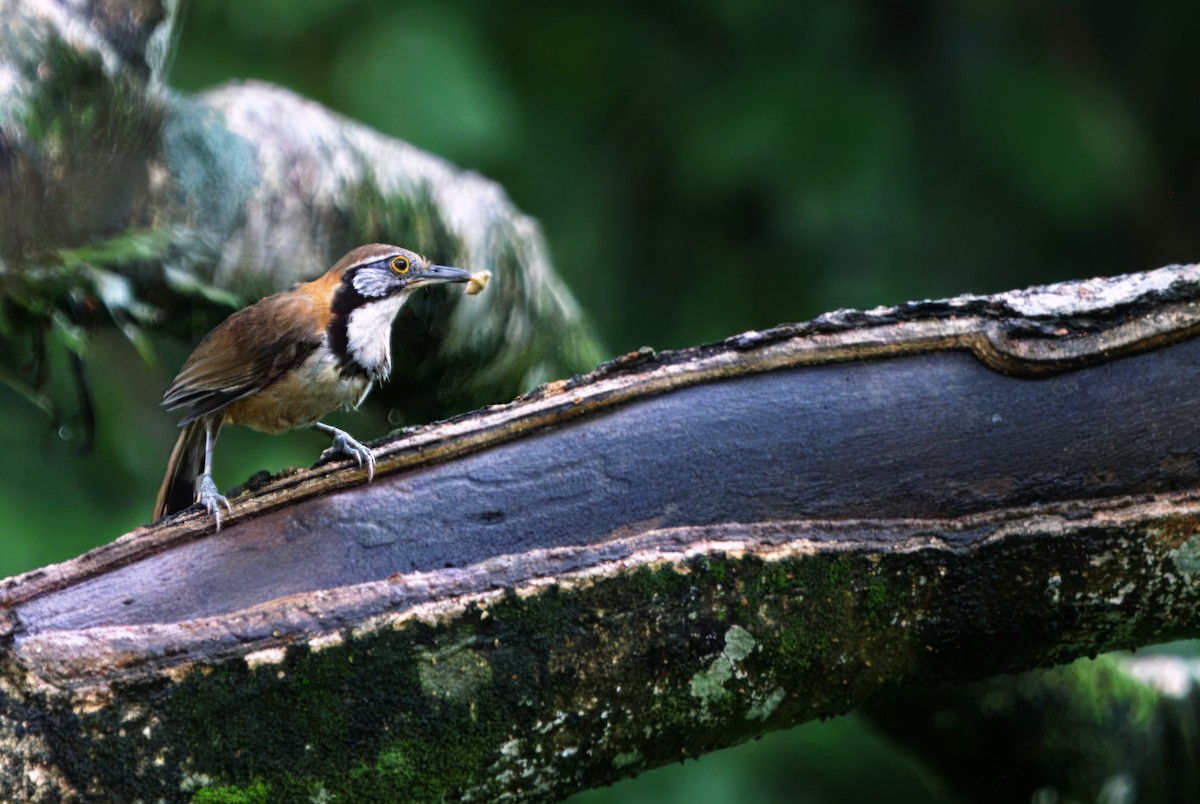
{"x": 388, "y": 271}
{"x": 370, "y": 284}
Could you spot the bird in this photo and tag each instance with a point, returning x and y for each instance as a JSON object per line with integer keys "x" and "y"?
{"x": 290, "y": 359}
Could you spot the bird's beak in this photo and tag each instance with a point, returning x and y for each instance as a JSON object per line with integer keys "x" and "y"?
{"x": 439, "y": 275}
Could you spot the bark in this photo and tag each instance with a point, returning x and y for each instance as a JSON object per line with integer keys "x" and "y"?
{"x": 671, "y": 554}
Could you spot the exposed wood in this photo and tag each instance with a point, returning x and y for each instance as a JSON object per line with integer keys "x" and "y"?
{"x": 668, "y": 555}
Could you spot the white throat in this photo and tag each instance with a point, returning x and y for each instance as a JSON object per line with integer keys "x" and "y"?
{"x": 369, "y": 335}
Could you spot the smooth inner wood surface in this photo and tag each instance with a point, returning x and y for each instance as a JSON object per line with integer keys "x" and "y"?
{"x": 923, "y": 436}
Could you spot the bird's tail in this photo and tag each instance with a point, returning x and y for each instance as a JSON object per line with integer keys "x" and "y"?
{"x": 178, "y": 489}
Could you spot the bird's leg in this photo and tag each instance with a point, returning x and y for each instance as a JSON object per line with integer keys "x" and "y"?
{"x": 351, "y": 447}
{"x": 207, "y": 493}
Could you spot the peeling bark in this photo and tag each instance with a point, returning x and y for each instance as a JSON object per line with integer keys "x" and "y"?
{"x": 671, "y": 554}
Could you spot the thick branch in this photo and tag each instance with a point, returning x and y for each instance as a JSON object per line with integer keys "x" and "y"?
{"x": 671, "y": 554}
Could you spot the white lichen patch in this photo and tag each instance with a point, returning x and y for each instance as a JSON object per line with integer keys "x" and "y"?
{"x": 1119, "y": 598}
{"x": 323, "y": 641}
{"x": 762, "y": 708}
{"x": 266, "y": 656}
{"x": 1054, "y": 588}
{"x": 738, "y": 643}
{"x": 627, "y": 758}
{"x": 541, "y": 727}
{"x": 1186, "y": 558}
{"x": 709, "y": 685}
{"x": 192, "y": 782}
{"x": 518, "y": 760}
{"x": 1071, "y": 298}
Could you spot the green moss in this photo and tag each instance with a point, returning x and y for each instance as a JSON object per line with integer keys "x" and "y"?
{"x": 839, "y": 571}
{"x": 774, "y": 578}
{"x": 426, "y": 713}
{"x": 876, "y": 596}
{"x": 330, "y": 708}
{"x": 410, "y": 770}
{"x": 394, "y": 762}
{"x": 716, "y": 568}
{"x": 258, "y": 793}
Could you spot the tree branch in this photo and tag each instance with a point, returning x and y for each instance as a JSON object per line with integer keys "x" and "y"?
{"x": 671, "y": 554}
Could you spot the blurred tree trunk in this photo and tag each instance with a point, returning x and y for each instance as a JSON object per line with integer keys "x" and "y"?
{"x": 669, "y": 555}
{"x": 1120, "y": 728}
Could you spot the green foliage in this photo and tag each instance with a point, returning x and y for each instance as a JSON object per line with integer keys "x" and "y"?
{"x": 728, "y": 166}
{"x": 55, "y": 295}
{"x": 258, "y": 793}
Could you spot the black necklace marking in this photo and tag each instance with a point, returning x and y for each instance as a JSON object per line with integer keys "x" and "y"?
{"x": 345, "y": 301}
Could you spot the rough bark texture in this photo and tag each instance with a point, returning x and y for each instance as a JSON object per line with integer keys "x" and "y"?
{"x": 669, "y": 555}
{"x": 115, "y": 189}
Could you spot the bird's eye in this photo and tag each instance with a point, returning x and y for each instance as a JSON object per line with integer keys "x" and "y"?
{"x": 400, "y": 265}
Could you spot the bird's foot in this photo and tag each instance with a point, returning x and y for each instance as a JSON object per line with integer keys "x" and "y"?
{"x": 351, "y": 447}
{"x": 211, "y": 498}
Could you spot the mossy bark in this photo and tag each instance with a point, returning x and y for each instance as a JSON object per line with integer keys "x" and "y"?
{"x": 669, "y": 555}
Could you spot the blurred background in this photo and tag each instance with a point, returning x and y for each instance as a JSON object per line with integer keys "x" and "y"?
{"x": 699, "y": 169}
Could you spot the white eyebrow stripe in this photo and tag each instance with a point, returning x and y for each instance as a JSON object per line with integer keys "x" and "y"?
{"x": 368, "y": 261}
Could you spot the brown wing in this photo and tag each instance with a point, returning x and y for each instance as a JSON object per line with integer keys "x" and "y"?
{"x": 245, "y": 353}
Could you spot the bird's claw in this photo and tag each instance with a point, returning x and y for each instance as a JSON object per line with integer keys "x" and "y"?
{"x": 351, "y": 447}
{"x": 211, "y": 498}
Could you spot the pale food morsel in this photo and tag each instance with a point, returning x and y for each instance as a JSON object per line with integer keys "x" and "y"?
{"x": 478, "y": 281}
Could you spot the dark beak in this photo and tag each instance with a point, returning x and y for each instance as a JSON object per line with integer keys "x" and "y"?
{"x": 438, "y": 275}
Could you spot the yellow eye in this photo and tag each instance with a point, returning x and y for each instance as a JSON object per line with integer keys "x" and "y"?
{"x": 400, "y": 265}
